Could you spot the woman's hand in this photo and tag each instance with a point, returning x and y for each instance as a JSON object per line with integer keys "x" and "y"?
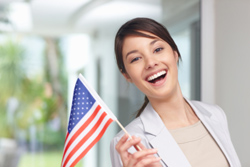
{"x": 142, "y": 158}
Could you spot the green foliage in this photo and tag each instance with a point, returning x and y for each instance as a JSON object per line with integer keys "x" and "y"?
{"x": 11, "y": 70}
{"x": 11, "y": 78}
{"x": 39, "y": 102}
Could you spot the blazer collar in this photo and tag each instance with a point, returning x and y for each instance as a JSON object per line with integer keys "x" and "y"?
{"x": 159, "y": 137}
{"x": 198, "y": 111}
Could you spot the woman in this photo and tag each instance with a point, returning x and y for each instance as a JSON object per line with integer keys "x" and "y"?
{"x": 170, "y": 130}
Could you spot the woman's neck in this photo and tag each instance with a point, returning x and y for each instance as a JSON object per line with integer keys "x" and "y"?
{"x": 174, "y": 110}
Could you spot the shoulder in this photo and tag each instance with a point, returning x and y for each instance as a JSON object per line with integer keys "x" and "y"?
{"x": 204, "y": 105}
{"x": 212, "y": 109}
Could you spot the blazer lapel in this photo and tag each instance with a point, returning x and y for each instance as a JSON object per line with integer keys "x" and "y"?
{"x": 214, "y": 127}
{"x": 160, "y": 138}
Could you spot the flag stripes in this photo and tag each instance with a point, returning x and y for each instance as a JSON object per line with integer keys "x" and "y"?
{"x": 83, "y": 124}
{"x": 87, "y": 133}
{"x": 95, "y": 140}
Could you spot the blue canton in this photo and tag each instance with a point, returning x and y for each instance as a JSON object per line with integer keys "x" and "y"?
{"x": 82, "y": 103}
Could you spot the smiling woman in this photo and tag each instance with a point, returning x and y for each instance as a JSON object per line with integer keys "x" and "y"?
{"x": 148, "y": 57}
{"x": 153, "y": 35}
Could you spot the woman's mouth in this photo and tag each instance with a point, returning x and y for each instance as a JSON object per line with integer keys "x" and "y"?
{"x": 157, "y": 77}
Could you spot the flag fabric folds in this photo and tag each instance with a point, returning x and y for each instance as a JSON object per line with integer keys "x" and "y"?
{"x": 89, "y": 119}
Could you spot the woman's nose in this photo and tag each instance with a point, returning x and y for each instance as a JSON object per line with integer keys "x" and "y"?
{"x": 150, "y": 62}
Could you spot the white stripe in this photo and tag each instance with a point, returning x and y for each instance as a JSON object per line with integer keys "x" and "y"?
{"x": 89, "y": 141}
{"x": 81, "y": 122}
{"x": 84, "y": 133}
{"x": 97, "y": 97}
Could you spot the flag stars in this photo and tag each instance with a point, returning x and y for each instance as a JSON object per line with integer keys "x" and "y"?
{"x": 82, "y": 102}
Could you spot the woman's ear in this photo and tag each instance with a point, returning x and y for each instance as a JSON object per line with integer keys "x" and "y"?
{"x": 127, "y": 77}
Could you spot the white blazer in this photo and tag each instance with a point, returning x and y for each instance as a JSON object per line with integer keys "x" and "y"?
{"x": 153, "y": 133}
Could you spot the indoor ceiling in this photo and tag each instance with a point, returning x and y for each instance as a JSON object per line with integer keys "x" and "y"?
{"x": 57, "y": 17}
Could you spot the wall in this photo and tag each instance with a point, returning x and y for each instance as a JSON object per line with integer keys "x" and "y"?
{"x": 225, "y": 66}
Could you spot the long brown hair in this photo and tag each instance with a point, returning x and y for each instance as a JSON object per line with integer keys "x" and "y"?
{"x": 136, "y": 27}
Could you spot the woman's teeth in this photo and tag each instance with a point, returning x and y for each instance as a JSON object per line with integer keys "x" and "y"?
{"x": 153, "y": 77}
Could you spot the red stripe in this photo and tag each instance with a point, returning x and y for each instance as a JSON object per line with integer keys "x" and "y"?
{"x": 85, "y": 138}
{"x": 82, "y": 128}
{"x": 93, "y": 143}
{"x": 64, "y": 143}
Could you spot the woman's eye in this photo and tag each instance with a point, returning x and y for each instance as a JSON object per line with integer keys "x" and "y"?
{"x": 135, "y": 59}
{"x": 158, "y": 50}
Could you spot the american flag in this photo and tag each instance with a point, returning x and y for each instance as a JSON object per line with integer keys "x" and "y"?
{"x": 89, "y": 119}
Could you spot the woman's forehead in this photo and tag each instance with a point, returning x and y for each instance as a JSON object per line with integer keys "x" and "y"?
{"x": 150, "y": 40}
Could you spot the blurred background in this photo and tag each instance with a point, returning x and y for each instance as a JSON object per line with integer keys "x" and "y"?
{"x": 45, "y": 44}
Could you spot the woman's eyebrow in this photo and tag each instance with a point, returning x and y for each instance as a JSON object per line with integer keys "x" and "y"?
{"x": 133, "y": 51}
{"x": 154, "y": 41}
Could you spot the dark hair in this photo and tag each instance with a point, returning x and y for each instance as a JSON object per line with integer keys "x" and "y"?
{"x": 136, "y": 27}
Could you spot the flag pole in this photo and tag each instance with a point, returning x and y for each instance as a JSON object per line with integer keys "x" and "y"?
{"x": 137, "y": 147}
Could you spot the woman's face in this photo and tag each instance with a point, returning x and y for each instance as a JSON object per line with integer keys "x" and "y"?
{"x": 151, "y": 65}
